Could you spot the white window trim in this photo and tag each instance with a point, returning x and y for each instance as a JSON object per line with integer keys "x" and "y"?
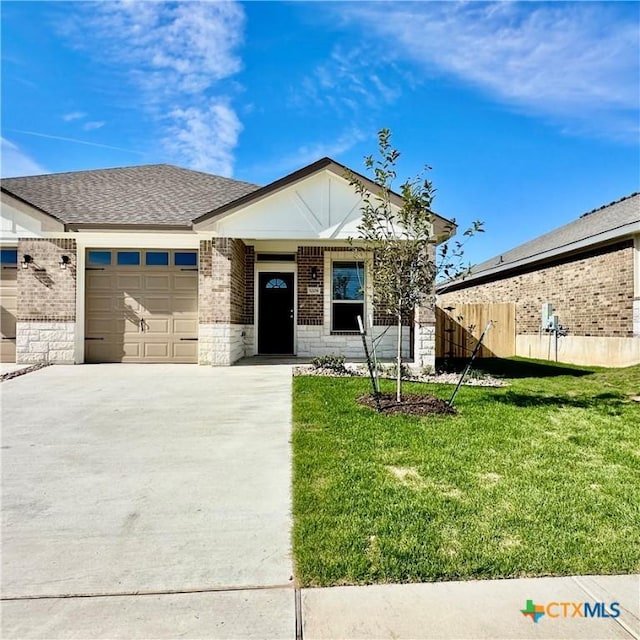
{"x": 346, "y": 256}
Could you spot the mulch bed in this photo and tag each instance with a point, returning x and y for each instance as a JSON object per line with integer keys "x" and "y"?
{"x": 412, "y": 404}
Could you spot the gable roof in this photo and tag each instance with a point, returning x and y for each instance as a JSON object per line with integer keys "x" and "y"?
{"x": 157, "y": 194}
{"x": 599, "y": 226}
{"x": 160, "y": 195}
{"x": 444, "y": 226}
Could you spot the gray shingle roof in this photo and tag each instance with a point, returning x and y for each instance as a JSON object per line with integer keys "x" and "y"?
{"x": 590, "y": 228}
{"x": 157, "y": 194}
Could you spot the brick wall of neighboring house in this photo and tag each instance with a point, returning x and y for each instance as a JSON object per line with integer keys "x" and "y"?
{"x": 591, "y": 293}
{"x": 46, "y": 302}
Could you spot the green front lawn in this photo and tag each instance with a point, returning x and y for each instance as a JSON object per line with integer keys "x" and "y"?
{"x": 540, "y": 478}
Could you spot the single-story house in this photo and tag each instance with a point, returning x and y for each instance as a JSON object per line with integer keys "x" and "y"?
{"x": 163, "y": 264}
{"x": 587, "y": 270}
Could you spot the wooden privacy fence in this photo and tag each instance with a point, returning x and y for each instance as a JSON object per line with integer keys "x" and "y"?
{"x": 459, "y": 326}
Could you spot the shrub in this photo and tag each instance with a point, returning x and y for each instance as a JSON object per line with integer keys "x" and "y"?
{"x": 330, "y": 361}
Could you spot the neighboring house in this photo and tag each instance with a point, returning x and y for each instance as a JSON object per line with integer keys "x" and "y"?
{"x": 162, "y": 264}
{"x": 588, "y": 270}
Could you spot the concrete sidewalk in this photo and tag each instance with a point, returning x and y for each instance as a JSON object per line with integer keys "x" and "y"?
{"x": 488, "y": 609}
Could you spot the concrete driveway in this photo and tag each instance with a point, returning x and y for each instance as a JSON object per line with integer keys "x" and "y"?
{"x": 166, "y": 480}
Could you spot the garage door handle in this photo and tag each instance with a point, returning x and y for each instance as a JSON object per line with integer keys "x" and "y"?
{"x": 94, "y": 338}
{"x": 188, "y": 339}
{"x": 8, "y": 337}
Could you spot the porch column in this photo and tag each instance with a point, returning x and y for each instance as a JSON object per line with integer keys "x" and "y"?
{"x": 221, "y": 295}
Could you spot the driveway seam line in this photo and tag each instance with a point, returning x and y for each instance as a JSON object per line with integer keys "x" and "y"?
{"x": 298, "y": 607}
{"x": 156, "y": 592}
{"x": 624, "y": 625}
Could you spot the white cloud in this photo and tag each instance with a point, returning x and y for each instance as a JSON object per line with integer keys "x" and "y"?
{"x": 16, "y": 162}
{"x": 308, "y": 153}
{"x": 74, "y": 115}
{"x": 95, "y": 124}
{"x": 205, "y": 137}
{"x": 177, "y": 47}
{"x": 347, "y": 82}
{"x": 568, "y": 60}
{"x": 175, "y": 56}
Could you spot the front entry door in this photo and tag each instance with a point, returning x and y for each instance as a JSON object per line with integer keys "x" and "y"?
{"x": 275, "y": 313}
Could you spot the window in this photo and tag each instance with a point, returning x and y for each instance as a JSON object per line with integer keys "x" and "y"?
{"x": 347, "y": 295}
{"x": 101, "y": 258}
{"x": 128, "y": 258}
{"x": 9, "y": 256}
{"x": 276, "y": 283}
{"x": 185, "y": 259}
{"x": 276, "y": 257}
{"x": 156, "y": 258}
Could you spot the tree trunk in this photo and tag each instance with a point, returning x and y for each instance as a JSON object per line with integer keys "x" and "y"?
{"x": 399, "y": 362}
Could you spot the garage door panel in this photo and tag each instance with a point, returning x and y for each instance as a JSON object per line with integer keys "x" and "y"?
{"x": 155, "y": 326}
{"x": 185, "y": 327}
{"x": 127, "y": 303}
{"x": 100, "y": 303}
{"x": 129, "y": 282}
{"x": 185, "y": 351}
{"x": 101, "y": 327}
{"x": 142, "y": 312}
{"x": 158, "y": 304}
{"x": 161, "y": 282}
{"x": 185, "y": 282}
{"x": 99, "y": 351}
{"x": 184, "y": 304}
{"x": 100, "y": 281}
{"x": 132, "y": 349}
{"x": 8, "y": 313}
{"x": 156, "y": 350}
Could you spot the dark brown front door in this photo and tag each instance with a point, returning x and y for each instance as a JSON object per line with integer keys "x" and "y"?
{"x": 275, "y": 312}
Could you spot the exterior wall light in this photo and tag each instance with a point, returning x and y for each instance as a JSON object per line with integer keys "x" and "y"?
{"x": 64, "y": 261}
{"x": 26, "y": 261}
{"x": 314, "y": 273}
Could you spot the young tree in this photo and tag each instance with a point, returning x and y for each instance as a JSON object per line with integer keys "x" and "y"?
{"x": 401, "y": 239}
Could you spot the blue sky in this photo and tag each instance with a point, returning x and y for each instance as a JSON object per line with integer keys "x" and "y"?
{"x": 529, "y": 113}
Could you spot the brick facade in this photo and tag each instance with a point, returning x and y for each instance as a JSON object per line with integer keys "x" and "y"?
{"x": 592, "y": 293}
{"x": 221, "y": 281}
{"x": 249, "y": 285}
{"x": 47, "y": 293}
{"x": 310, "y": 307}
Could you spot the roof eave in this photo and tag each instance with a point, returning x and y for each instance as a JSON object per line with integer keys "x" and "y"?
{"x": 602, "y": 239}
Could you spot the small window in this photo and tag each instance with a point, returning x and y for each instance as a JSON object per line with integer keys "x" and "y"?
{"x": 156, "y": 258}
{"x": 276, "y": 283}
{"x": 9, "y": 256}
{"x": 128, "y": 258}
{"x": 98, "y": 258}
{"x": 276, "y": 257}
{"x": 185, "y": 259}
{"x": 347, "y": 295}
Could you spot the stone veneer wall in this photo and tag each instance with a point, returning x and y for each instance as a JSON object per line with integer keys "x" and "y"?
{"x": 46, "y": 315}
{"x": 221, "y": 292}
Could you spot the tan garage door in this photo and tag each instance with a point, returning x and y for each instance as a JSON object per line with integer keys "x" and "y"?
{"x": 8, "y": 300}
{"x": 141, "y": 306}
